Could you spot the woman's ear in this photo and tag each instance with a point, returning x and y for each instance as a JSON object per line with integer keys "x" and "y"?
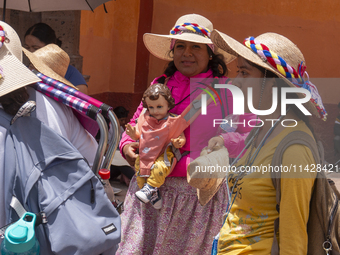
{"x": 272, "y": 82}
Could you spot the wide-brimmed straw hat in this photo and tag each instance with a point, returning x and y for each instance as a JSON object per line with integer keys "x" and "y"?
{"x": 14, "y": 74}
{"x": 51, "y": 61}
{"x": 190, "y": 27}
{"x": 203, "y": 177}
{"x": 279, "y": 55}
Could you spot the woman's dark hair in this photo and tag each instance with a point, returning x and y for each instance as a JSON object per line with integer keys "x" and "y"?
{"x": 216, "y": 64}
{"x": 281, "y": 83}
{"x": 12, "y": 102}
{"x": 44, "y": 33}
{"x": 121, "y": 112}
{"x": 154, "y": 91}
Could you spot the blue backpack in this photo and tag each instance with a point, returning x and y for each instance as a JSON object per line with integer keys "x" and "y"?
{"x": 49, "y": 177}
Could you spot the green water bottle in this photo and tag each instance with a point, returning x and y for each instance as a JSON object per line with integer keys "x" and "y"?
{"x": 20, "y": 237}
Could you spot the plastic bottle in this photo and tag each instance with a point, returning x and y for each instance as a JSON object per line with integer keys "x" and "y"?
{"x": 105, "y": 175}
{"x": 20, "y": 237}
{"x": 228, "y": 125}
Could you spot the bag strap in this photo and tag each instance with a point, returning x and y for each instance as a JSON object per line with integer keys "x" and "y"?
{"x": 226, "y": 96}
{"x": 251, "y": 135}
{"x": 191, "y": 112}
{"x": 295, "y": 137}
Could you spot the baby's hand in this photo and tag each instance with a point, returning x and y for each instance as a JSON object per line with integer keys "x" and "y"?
{"x": 131, "y": 131}
{"x": 177, "y": 142}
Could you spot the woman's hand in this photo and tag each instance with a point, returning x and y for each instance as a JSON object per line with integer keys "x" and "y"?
{"x": 129, "y": 152}
{"x": 215, "y": 143}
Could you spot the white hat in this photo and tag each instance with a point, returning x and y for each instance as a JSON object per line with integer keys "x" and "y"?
{"x": 14, "y": 73}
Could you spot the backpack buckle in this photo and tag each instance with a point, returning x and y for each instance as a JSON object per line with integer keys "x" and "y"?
{"x": 327, "y": 246}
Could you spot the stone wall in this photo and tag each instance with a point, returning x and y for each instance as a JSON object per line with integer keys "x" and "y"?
{"x": 66, "y": 24}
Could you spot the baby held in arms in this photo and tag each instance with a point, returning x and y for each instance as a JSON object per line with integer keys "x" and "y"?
{"x": 157, "y": 131}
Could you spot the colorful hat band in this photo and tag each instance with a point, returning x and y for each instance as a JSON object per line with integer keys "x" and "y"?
{"x": 274, "y": 60}
{"x": 287, "y": 71}
{"x": 2, "y": 36}
{"x": 192, "y": 28}
{"x": 2, "y": 40}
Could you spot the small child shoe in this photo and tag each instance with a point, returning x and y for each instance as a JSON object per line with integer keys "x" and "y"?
{"x": 156, "y": 200}
{"x": 146, "y": 193}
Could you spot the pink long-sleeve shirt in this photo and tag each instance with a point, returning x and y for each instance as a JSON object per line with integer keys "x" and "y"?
{"x": 202, "y": 129}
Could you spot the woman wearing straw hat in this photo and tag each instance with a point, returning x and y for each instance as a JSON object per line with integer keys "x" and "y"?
{"x": 14, "y": 93}
{"x": 182, "y": 226}
{"x": 40, "y": 35}
{"x": 265, "y": 63}
{"x": 50, "y": 60}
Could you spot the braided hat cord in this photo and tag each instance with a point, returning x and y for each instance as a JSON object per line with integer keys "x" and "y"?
{"x": 2, "y": 40}
{"x": 296, "y": 77}
{"x": 190, "y": 27}
{"x": 273, "y": 59}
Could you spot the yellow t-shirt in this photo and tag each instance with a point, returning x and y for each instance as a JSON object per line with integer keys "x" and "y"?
{"x": 249, "y": 228}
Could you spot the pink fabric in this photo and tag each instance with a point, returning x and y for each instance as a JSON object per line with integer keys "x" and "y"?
{"x": 88, "y": 123}
{"x": 155, "y": 137}
{"x": 232, "y": 139}
{"x": 201, "y": 130}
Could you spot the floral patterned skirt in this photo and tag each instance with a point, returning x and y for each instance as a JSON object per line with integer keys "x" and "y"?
{"x": 181, "y": 226}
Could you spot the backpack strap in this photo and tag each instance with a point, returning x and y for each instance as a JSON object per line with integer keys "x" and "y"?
{"x": 251, "y": 135}
{"x": 190, "y": 113}
{"x": 295, "y": 137}
{"x": 219, "y": 93}
{"x": 17, "y": 206}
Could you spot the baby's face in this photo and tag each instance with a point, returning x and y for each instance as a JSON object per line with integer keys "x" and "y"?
{"x": 158, "y": 108}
